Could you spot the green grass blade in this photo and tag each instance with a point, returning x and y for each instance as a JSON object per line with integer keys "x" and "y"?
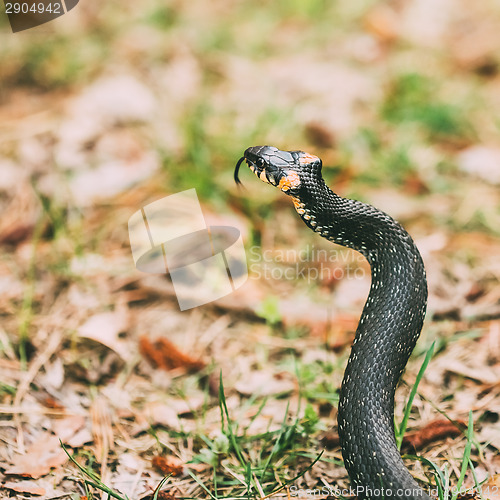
{"x": 254, "y": 418}
{"x": 225, "y": 411}
{"x": 200, "y": 483}
{"x": 402, "y": 428}
{"x": 276, "y": 446}
{"x": 466, "y": 457}
{"x": 248, "y": 474}
{"x": 298, "y": 476}
{"x": 103, "y": 487}
{"x": 160, "y": 486}
{"x": 96, "y": 482}
{"x": 438, "y": 474}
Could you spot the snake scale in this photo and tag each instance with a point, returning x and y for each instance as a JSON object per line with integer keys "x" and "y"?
{"x": 389, "y": 326}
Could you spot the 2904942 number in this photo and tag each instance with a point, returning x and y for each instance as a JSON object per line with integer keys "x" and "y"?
{"x": 25, "y": 8}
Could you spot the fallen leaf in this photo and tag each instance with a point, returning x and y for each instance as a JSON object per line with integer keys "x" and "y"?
{"x": 67, "y": 427}
{"x": 54, "y": 374}
{"x": 168, "y": 465}
{"x": 43, "y": 455}
{"x": 330, "y": 440}
{"x": 50, "y": 402}
{"x": 484, "y": 374}
{"x": 433, "y": 431}
{"x": 264, "y": 384}
{"x": 491, "y": 435}
{"x": 161, "y": 414}
{"x": 105, "y": 329}
{"x": 164, "y": 354}
{"x": 80, "y": 438}
{"x": 25, "y": 487}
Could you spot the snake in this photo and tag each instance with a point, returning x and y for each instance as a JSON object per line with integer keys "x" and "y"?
{"x": 388, "y": 328}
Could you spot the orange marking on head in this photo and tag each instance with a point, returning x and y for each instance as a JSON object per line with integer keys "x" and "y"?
{"x": 306, "y": 158}
{"x": 289, "y": 181}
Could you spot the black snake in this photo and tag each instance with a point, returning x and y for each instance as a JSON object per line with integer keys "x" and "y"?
{"x": 389, "y": 325}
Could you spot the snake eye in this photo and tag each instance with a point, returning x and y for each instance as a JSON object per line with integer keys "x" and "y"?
{"x": 260, "y": 162}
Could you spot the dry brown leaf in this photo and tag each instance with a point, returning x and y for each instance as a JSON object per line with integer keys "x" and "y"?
{"x": 265, "y": 384}
{"x": 43, "y": 455}
{"x": 72, "y": 431}
{"x": 80, "y": 438}
{"x": 54, "y": 374}
{"x": 157, "y": 413}
{"x": 183, "y": 407}
{"x": 433, "y": 431}
{"x": 25, "y": 487}
{"x": 168, "y": 465}
{"x": 164, "y": 354}
{"x": 68, "y": 426}
{"x": 330, "y": 440}
{"x": 105, "y": 329}
{"x": 490, "y": 434}
{"x": 484, "y": 374}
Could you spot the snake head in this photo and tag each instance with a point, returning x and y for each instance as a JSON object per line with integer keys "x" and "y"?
{"x": 283, "y": 169}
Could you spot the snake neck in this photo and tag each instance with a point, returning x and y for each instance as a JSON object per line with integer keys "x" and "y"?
{"x": 387, "y": 332}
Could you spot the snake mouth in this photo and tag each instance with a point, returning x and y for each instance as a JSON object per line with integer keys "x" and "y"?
{"x": 263, "y": 173}
{"x": 260, "y": 170}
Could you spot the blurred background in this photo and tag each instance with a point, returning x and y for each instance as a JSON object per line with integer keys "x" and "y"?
{"x": 118, "y": 104}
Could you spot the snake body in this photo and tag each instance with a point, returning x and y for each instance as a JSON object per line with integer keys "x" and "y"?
{"x": 389, "y": 326}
